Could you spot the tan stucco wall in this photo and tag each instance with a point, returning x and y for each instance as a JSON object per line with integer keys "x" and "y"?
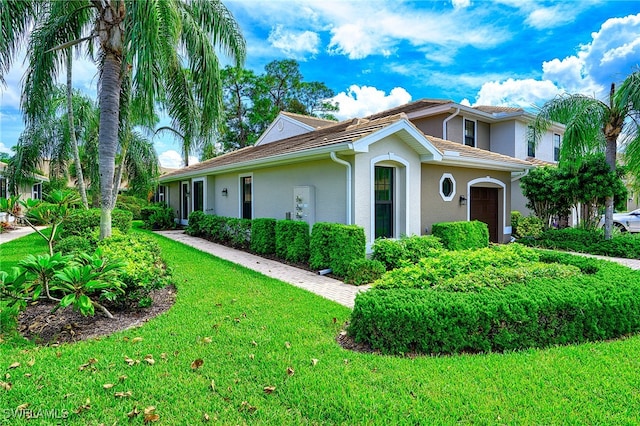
{"x": 431, "y": 126}
{"x": 434, "y": 209}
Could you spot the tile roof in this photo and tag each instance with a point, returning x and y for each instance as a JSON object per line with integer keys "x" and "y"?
{"x": 315, "y": 122}
{"x": 538, "y": 162}
{"x": 410, "y": 107}
{"x": 497, "y": 109}
{"x": 475, "y": 153}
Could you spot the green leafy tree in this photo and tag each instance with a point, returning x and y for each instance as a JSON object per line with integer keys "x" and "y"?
{"x": 593, "y": 125}
{"x": 545, "y": 193}
{"x": 253, "y": 101}
{"x": 149, "y": 39}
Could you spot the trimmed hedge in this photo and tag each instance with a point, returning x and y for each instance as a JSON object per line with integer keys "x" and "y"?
{"x": 525, "y": 226}
{"x": 263, "y": 235}
{"x": 364, "y": 271}
{"x": 230, "y": 231}
{"x": 292, "y": 240}
{"x": 462, "y": 235}
{"x": 160, "y": 217}
{"x": 537, "y": 313}
{"x": 336, "y": 246}
{"x": 406, "y": 250}
{"x": 84, "y": 222}
{"x": 587, "y": 241}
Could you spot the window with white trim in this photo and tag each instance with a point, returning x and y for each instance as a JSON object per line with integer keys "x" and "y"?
{"x": 447, "y": 187}
{"x": 36, "y": 192}
{"x": 469, "y": 132}
{"x": 556, "y": 147}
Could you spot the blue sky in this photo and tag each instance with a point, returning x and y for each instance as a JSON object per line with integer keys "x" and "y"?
{"x": 379, "y": 54}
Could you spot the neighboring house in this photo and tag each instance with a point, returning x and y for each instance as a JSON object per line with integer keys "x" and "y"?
{"x": 32, "y": 189}
{"x": 385, "y": 173}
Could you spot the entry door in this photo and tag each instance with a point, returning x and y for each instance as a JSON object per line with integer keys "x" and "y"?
{"x": 184, "y": 205}
{"x": 484, "y": 207}
{"x": 383, "y": 195}
{"x": 246, "y": 197}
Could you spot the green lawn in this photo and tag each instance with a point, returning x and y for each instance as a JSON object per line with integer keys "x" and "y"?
{"x": 253, "y": 332}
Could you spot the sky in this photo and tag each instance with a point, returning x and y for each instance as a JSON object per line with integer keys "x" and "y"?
{"x": 377, "y": 54}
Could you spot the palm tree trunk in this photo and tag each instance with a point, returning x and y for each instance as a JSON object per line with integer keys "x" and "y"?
{"x": 119, "y": 172}
{"x": 610, "y": 153}
{"x": 72, "y": 132}
{"x": 108, "y": 137}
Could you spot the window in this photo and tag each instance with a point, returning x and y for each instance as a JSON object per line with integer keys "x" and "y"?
{"x": 160, "y": 195}
{"x": 469, "y": 132}
{"x": 3, "y": 187}
{"x": 556, "y": 147}
{"x": 383, "y": 195}
{"x": 447, "y": 187}
{"x": 36, "y": 192}
{"x": 198, "y": 195}
{"x": 246, "y": 182}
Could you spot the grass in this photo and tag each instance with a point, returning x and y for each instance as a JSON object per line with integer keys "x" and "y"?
{"x": 253, "y": 332}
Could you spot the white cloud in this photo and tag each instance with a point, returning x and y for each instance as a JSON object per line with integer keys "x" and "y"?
{"x": 362, "y": 101}
{"x": 553, "y": 16}
{"x": 460, "y": 4}
{"x": 609, "y": 57}
{"x": 173, "y": 160}
{"x": 294, "y": 44}
{"x": 521, "y": 93}
{"x": 5, "y": 149}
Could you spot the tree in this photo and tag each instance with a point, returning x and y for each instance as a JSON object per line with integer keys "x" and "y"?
{"x": 150, "y": 40}
{"x": 253, "y": 101}
{"x": 593, "y": 125}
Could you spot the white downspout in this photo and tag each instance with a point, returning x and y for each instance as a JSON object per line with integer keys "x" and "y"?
{"x": 444, "y": 123}
{"x": 520, "y": 175}
{"x": 348, "y": 168}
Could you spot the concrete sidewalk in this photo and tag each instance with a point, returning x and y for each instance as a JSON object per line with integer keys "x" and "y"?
{"x": 326, "y": 287}
{"x": 17, "y": 232}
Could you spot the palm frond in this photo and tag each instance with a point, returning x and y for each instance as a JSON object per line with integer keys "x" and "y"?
{"x": 16, "y": 18}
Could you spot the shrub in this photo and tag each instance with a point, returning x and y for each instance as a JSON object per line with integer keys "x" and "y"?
{"x": 538, "y": 313}
{"x": 84, "y": 222}
{"x": 588, "y": 241}
{"x": 292, "y": 240}
{"x": 335, "y": 246}
{"x": 396, "y": 253}
{"x": 364, "y": 271}
{"x": 144, "y": 269}
{"x": 75, "y": 244}
{"x": 132, "y": 204}
{"x": 196, "y": 223}
{"x": 529, "y": 226}
{"x": 263, "y": 235}
{"x": 462, "y": 235}
{"x": 161, "y": 217}
{"x": 431, "y": 271}
{"x": 237, "y": 232}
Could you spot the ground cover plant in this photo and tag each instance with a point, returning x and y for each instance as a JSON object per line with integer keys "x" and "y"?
{"x": 239, "y": 348}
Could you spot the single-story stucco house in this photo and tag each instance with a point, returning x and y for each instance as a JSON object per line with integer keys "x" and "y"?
{"x": 381, "y": 173}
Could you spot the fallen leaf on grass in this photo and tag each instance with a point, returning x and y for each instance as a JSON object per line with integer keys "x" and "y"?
{"x": 254, "y": 343}
{"x": 213, "y": 385}
{"x": 131, "y": 361}
{"x": 248, "y": 407}
{"x": 14, "y": 365}
{"x": 108, "y": 385}
{"x": 251, "y": 356}
{"x": 287, "y": 345}
{"x": 134, "y": 412}
{"x": 197, "y": 364}
{"x": 163, "y": 356}
{"x": 206, "y": 340}
{"x": 150, "y": 415}
{"x": 122, "y": 378}
{"x": 206, "y": 417}
{"x": 290, "y": 371}
{"x": 22, "y": 406}
{"x": 137, "y": 339}
{"x": 149, "y": 359}
{"x": 314, "y": 362}
{"x": 85, "y": 407}
{"x": 126, "y": 394}
{"x": 269, "y": 389}
{"x": 5, "y": 385}
{"x": 31, "y": 362}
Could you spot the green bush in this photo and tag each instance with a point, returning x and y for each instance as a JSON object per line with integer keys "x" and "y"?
{"x": 161, "y": 217}
{"x": 537, "y": 313}
{"x": 75, "y": 244}
{"x": 85, "y": 222}
{"x": 196, "y": 224}
{"x": 529, "y": 226}
{"x": 144, "y": 268}
{"x": 587, "y": 241}
{"x": 132, "y": 204}
{"x": 292, "y": 240}
{"x": 430, "y": 271}
{"x": 237, "y": 232}
{"x": 263, "y": 235}
{"x": 462, "y": 235}
{"x": 335, "y": 246}
{"x": 364, "y": 271}
{"x": 406, "y": 250}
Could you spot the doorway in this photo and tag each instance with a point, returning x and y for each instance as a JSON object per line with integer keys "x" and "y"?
{"x": 484, "y": 207}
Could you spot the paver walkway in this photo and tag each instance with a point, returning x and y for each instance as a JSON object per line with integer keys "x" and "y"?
{"x": 326, "y": 287}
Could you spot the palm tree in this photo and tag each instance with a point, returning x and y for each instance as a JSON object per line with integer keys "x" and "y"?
{"x": 149, "y": 39}
{"x": 594, "y": 125}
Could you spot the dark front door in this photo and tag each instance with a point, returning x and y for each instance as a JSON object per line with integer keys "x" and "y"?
{"x": 246, "y": 197}
{"x": 484, "y": 207}
{"x": 184, "y": 208}
{"x": 383, "y": 194}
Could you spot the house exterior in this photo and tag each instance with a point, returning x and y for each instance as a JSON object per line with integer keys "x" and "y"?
{"x": 30, "y": 190}
{"x": 386, "y": 173}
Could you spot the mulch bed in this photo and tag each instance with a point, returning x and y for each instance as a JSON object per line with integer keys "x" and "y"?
{"x": 39, "y": 324}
